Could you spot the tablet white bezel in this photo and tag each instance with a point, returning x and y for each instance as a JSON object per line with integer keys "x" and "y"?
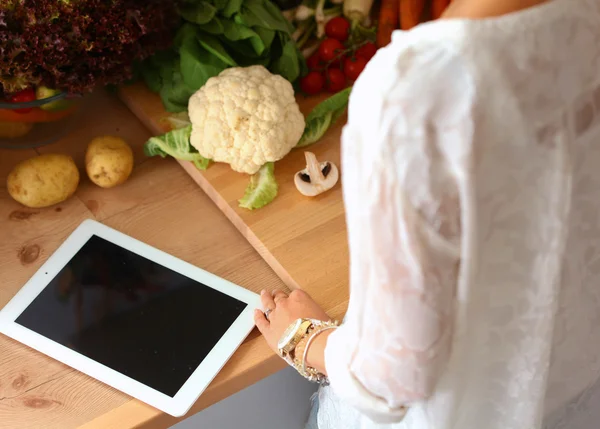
{"x": 176, "y": 406}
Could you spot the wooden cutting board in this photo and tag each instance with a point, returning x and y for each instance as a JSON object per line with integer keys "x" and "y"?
{"x": 303, "y": 239}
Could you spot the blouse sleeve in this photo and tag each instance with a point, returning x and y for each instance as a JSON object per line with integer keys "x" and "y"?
{"x": 409, "y": 120}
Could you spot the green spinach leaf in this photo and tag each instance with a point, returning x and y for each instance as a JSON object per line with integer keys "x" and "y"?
{"x": 198, "y": 64}
{"x": 275, "y": 13}
{"x": 258, "y": 45}
{"x": 175, "y": 93}
{"x": 267, "y": 36}
{"x": 151, "y": 76}
{"x": 167, "y": 68}
{"x": 199, "y": 13}
{"x": 323, "y": 116}
{"x": 287, "y": 65}
{"x": 243, "y": 48}
{"x": 254, "y": 14}
{"x": 215, "y": 35}
{"x": 215, "y": 26}
{"x": 233, "y": 7}
{"x": 186, "y": 31}
{"x": 157, "y": 68}
{"x": 334, "y": 103}
{"x": 212, "y": 45}
{"x": 220, "y": 4}
{"x": 239, "y": 32}
{"x": 242, "y": 57}
{"x": 234, "y": 31}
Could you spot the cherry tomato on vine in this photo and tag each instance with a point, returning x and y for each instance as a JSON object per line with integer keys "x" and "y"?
{"x": 23, "y": 97}
{"x": 367, "y": 51}
{"x": 336, "y": 64}
{"x": 314, "y": 62}
{"x": 330, "y": 49}
{"x": 338, "y": 28}
{"x": 336, "y": 81}
{"x": 312, "y": 83}
{"x": 353, "y": 67}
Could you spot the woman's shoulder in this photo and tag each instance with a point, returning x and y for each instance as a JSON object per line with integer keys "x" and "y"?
{"x": 439, "y": 70}
{"x": 415, "y": 79}
{"x": 522, "y": 31}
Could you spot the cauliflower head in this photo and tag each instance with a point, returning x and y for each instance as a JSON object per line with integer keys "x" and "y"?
{"x": 245, "y": 117}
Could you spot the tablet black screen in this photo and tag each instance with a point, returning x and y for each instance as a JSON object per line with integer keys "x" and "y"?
{"x": 132, "y": 315}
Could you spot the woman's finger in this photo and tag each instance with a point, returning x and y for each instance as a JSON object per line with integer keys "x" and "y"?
{"x": 267, "y": 301}
{"x": 261, "y": 321}
{"x": 278, "y": 295}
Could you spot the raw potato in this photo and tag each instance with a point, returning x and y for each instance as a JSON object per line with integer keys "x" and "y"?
{"x": 43, "y": 181}
{"x": 108, "y": 161}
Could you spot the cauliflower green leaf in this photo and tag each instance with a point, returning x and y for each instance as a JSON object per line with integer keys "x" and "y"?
{"x": 176, "y": 143}
{"x": 178, "y": 120}
{"x": 323, "y": 116}
{"x": 262, "y": 188}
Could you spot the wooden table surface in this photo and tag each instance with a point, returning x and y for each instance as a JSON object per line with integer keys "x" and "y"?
{"x": 303, "y": 240}
{"x": 160, "y": 205}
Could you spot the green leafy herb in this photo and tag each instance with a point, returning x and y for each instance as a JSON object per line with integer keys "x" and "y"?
{"x": 233, "y": 7}
{"x": 200, "y": 13}
{"x": 212, "y": 45}
{"x": 198, "y": 64}
{"x": 215, "y": 35}
{"x": 176, "y": 143}
{"x": 256, "y": 13}
{"x": 266, "y": 35}
{"x": 287, "y": 64}
{"x": 323, "y": 116}
{"x": 234, "y": 31}
{"x": 262, "y": 188}
{"x": 175, "y": 92}
{"x": 154, "y": 75}
{"x": 215, "y": 26}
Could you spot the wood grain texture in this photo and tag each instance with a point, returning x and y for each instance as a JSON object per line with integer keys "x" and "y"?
{"x": 159, "y": 205}
{"x": 303, "y": 239}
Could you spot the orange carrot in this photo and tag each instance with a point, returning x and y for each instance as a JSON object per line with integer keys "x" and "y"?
{"x": 388, "y": 21}
{"x": 438, "y": 7}
{"x": 410, "y": 13}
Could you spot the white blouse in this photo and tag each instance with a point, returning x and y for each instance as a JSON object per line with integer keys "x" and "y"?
{"x": 471, "y": 173}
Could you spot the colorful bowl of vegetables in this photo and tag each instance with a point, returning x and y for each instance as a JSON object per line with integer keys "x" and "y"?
{"x": 36, "y": 117}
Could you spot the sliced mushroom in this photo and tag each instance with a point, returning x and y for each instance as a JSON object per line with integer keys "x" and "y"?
{"x": 317, "y": 177}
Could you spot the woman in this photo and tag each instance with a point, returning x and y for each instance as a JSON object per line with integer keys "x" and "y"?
{"x": 471, "y": 164}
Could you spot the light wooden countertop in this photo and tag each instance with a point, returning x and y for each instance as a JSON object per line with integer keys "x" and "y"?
{"x": 160, "y": 205}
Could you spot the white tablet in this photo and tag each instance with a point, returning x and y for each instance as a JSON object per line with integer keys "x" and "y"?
{"x": 131, "y": 316}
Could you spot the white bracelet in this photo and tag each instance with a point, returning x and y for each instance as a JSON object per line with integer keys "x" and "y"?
{"x": 315, "y": 375}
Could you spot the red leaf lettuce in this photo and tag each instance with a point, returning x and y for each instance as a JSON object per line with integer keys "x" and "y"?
{"x": 75, "y": 45}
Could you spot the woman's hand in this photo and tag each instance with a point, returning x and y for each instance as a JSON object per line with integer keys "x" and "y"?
{"x": 284, "y": 310}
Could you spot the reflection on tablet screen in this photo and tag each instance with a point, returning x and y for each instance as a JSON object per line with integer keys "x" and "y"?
{"x": 132, "y": 315}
